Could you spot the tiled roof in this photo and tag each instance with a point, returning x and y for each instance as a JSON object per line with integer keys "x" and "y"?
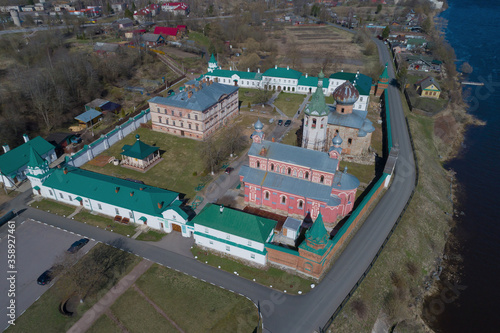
{"x": 112, "y": 190}
{"x": 89, "y": 115}
{"x": 286, "y": 73}
{"x": 139, "y": 149}
{"x": 235, "y": 222}
{"x": 292, "y": 185}
{"x": 18, "y": 157}
{"x": 201, "y": 100}
{"x": 313, "y": 159}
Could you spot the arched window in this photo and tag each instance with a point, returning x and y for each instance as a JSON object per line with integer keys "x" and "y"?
{"x": 289, "y": 171}
{"x": 282, "y": 169}
{"x": 295, "y": 173}
{"x": 266, "y": 195}
{"x": 314, "y": 123}
{"x": 342, "y": 111}
{"x": 322, "y": 179}
{"x": 272, "y": 167}
{"x": 258, "y": 164}
{"x": 283, "y": 199}
{"x": 307, "y": 174}
{"x": 301, "y": 174}
{"x": 300, "y": 204}
{"x": 349, "y": 141}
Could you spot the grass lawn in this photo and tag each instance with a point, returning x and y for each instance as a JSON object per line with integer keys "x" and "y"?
{"x": 364, "y": 173}
{"x": 329, "y": 99}
{"x": 106, "y": 222}
{"x": 194, "y": 305}
{"x": 199, "y": 38}
{"x": 137, "y": 315}
{"x": 104, "y": 324}
{"x": 151, "y": 235}
{"x": 44, "y": 315}
{"x": 54, "y": 207}
{"x": 181, "y": 158}
{"x": 271, "y": 276}
{"x": 289, "y": 103}
{"x": 291, "y": 137}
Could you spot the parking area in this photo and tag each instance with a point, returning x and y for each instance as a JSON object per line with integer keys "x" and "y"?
{"x": 37, "y": 248}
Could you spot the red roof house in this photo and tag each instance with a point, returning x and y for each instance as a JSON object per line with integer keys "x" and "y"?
{"x": 167, "y": 32}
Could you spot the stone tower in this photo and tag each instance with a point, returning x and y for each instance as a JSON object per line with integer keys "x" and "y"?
{"x": 38, "y": 170}
{"x": 345, "y": 96}
{"x": 212, "y": 64}
{"x": 316, "y": 120}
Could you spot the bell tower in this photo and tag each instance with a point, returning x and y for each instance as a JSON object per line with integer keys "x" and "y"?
{"x": 316, "y": 119}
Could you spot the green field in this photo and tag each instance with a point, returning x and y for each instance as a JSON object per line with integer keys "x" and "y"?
{"x": 271, "y": 276}
{"x": 289, "y": 103}
{"x": 181, "y": 158}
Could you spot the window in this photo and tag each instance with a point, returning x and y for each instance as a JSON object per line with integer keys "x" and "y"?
{"x": 173, "y": 113}
{"x": 300, "y": 204}
{"x": 307, "y": 174}
{"x": 206, "y": 230}
{"x": 117, "y": 211}
{"x": 60, "y": 194}
{"x": 283, "y": 199}
{"x": 349, "y": 141}
{"x": 99, "y": 206}
{"x": 196, "y": 126}
{"x": 342, "y": 111}
{"x": 361, "y": 99}
{"x": 272, "y": 167}
{"x": 195, "y": 117}
{"x": 166, "y": 121}
{"x": 174, "y": 122}
{"x": 50, "y": 192}
{"x": 322, "y": 179}
{"x": 314, "y": 123}
{"x": 180, "y": 114}
{"x": 158, "y": 110}
{"x": 131, "y": 215}
{"x": 211, "y": 242}
{"x": 189, "y": 116}
{"x": 289, "y": 171}
{"x": 189, "y": 125}
{"x": 249, "y": 243}
{"x": 258, "y": 164}
{"x": 228, "y": 236}
{"x": 159, "y": 120}
{"x": 266, "y": 195}
{"x": 69, "y": 197}
{"x": 252, "y": 256}
{"x": 228, "y": 248}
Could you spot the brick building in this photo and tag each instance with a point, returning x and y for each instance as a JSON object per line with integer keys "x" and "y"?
{"x": 197, "y": 112}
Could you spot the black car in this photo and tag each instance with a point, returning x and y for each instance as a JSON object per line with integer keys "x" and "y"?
{"x": 288, "y": 122}
{"x": 78, "y": 245}
{"x": 280, "y": 122}
{"x": 45, "y": 278}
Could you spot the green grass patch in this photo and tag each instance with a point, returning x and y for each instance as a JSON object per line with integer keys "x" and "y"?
{"x": 176, "y": 176}
{"x": 106, "y": 222}
{"x": 137, "y": 315}
{"x": 365, "y": 173}
{"x": 151, "y": 236}
{"x": 44, "y": 315}
{"x": 104, "y": 324}
{"x": 329, "y": 99}
{"x": 199, "y": 38}
{"x": 54, "y": 207}
{"x": 270, "y": 276}
{"x": 289, "y": 103}
{"x": 181, "y": 296}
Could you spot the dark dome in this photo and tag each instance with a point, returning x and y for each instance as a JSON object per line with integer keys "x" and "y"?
{"x": 346, "y": 93}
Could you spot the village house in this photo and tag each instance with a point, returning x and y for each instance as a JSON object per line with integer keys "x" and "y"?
{"x": 232, "y": 232}
{"x": 295, "y": 181}
{"x": 105, "y": 49}
{"x": 176, "y": 8}
{"x": 140, "y": 156}
{"x": 89, "y": 118}
{"x": 123, "y": 200}
{"x": 13, "y": 163}
{"x": 197, "y": 112}
{"x": 170, "y": 33}
{"x": 428, "y": 87}
{"x": 143, "y": 15}
{"x": 124, "y": 23}
{"x": 119, "y": 7}
{"x": 151, "y": 40}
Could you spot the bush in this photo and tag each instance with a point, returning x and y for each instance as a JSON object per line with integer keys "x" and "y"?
{"x": 195, "y": 173}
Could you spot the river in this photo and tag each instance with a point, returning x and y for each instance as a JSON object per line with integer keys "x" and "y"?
{"x": 474, "y": 32}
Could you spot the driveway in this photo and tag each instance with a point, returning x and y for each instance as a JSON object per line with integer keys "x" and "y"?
{"x": 38, "y": 247}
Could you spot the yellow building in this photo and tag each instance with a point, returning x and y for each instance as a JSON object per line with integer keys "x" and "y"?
{"x": 428, "y": 87}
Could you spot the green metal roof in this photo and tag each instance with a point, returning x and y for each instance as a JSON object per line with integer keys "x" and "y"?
{"x": 363, "y": 82}
{"x": 311, "y": 81}
{"x": 18, "y": 157}
{"x": 385, "y": 75}
{"x": 212, "y": 59}
{"x": 286, "y": 73}
{"x": 35, "y": 159}
{"x": 318, "y": 233}
{"x": 317, "y": 106}
{"x": 139, "y": 149}
{"x": 235, "y": 222}
{"x": 115, "y": 191}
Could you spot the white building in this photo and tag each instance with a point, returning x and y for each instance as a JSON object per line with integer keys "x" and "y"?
{"x": 141, "y": 204}
{"x": 233, "y": 232}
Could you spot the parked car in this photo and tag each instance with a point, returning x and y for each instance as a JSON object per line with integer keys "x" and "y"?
{"x": 45, "y": 278}
{"x": 228, "y": 170}
{"x": 78, "y": 245}
{"x": 280, "y": 122}
{"x": 288, "y": 122}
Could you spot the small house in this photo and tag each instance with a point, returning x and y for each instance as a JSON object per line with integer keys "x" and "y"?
{"x": 428, "y": 87}
{"x": 167, "y": 32}
{"x": 124, "y": 23}
{"x": 152, "y": 40}
{"x": 89, "y": 118}
{"x": 140, "y": 155}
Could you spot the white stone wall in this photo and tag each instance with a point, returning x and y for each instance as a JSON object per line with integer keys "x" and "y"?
{"x": 232, "y": 238}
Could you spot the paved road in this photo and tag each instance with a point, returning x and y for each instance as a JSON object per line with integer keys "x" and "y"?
{"x": 282, "y": 312}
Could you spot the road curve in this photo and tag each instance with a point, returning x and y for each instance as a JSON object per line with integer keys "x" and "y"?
{"x": 282, "y": 312}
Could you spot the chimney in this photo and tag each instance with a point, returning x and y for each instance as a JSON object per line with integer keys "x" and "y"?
{"x": 160, "y": 205}
{"x": 230, "y": 68}
{"x": 6, "y": 148}
{"x": 273, "y": 139}
{"x": 117, "y": 189}
{"x": 131, "y": 194}
{"x": 258, "y": 70}
{"x": 141, "y": 188}
{"x": 263, "y": 152}
{"x": 275, "y": 66}
{"x": 287, "y": 68}
{"x": 248, "y": 70}
{"x": 357, "y": 72}
{"x": 342, "y": 71}
{"x": 306, "y": 75}
{"x": 190, "y": 93}
{"x": 59, "y": 166}
{"x": 65, "y": 171}
{"x": 221, "y": 209}
{"x": 26, "y": 137}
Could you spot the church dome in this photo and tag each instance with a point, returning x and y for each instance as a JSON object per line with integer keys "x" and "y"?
{"x": 258, "y": 125}
{"x": 337, "y": 140}
{"x": 346, "y": 93}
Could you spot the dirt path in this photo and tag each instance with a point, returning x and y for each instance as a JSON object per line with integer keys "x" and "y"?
{"x": 111, "y": 296}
